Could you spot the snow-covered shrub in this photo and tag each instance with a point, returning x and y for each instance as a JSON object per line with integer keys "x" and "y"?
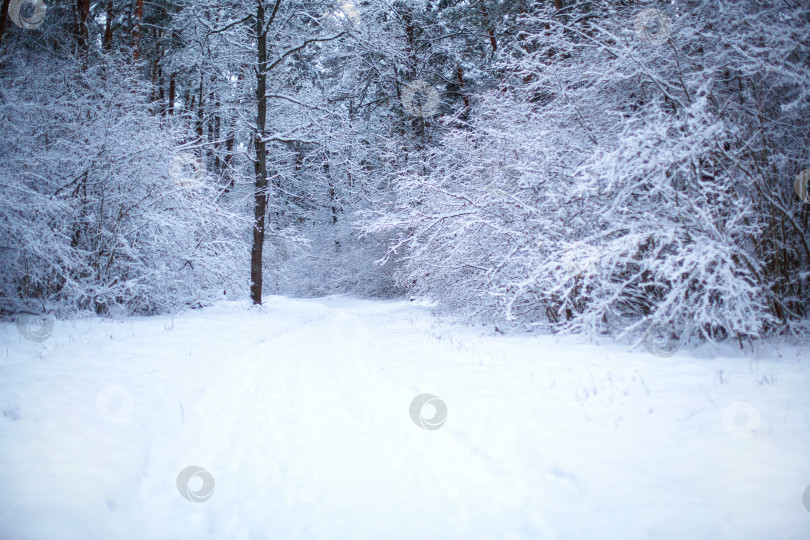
{"x": 93, "y": 211}
{"x": 313, "y": 247}
{"x": 620, "y": 179}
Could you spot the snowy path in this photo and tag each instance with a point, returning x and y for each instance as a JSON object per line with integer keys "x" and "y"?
{"x": 300, "y": 413}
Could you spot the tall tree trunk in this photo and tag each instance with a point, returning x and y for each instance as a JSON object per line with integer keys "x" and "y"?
{"x": 108, "y": 33}
{"x": 3, "y": 18}
{"x": 460, "y": 76}
{"x": 161, "y": 91}
{"x": 82, "y": 31}
{"x": 172, "y": 91}
{"x": 260, "y": 200}
{"x": 136, "y": 30}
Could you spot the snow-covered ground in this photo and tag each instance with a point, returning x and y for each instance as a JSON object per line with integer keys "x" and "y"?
{"x": 297, "y": 417}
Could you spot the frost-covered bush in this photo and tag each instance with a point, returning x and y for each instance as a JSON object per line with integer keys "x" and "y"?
{"x": 313, "y": 247}
{"x": 96, "y": 206}
{"x": 619, "y": 179}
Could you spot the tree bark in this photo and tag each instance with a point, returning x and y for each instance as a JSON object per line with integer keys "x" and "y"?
{"x": 460, "y": 76}
{"x": 82, "y": 31}
{"x": 108, "y": 33}
{"x": 161, "y": 90}
{"x": 260, "y": 196}
{"x": 136, "y": 30}
{"x": 172, "y": 91}
{"x": 3, "y": 18}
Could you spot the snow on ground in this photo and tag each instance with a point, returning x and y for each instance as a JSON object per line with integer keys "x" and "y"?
{"x": 296, "y": 416}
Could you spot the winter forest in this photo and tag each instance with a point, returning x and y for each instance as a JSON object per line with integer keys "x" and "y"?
{"x": 466, "y": 185}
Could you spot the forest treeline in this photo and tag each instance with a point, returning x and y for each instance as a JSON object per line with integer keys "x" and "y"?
{"x": 583, "y": 166}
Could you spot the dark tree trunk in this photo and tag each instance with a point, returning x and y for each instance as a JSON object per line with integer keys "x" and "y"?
{"x": 108, "y": 33}
{"x": 3, "y": 18}
{"x": 136, "y": 30}
{"x": 260, "y": 201}
{"x": 172, "y": 92}
{"x": 161, "y": 91}
{"x": 460, "y": 76}
{"x": 82, "y": 31}
{"x": 493, "y": 42}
